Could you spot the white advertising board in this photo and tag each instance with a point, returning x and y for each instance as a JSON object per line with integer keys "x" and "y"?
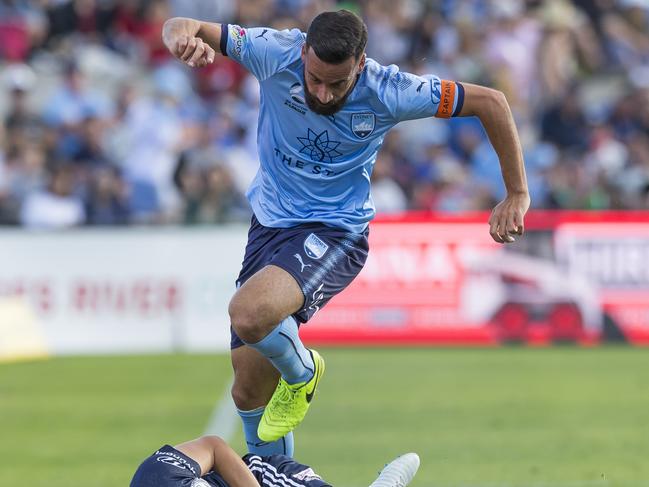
{"x": 121, "y": 291}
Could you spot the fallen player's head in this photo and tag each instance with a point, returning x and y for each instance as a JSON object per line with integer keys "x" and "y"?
{"x": 333, "y": 56}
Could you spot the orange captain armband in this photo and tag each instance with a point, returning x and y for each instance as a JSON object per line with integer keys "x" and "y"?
{"x": 451, "y": 99}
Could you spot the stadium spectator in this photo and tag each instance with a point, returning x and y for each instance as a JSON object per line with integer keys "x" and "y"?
{"x": 73, "y": 102}
{"x": 151, "y": 137}
{"x": 22, "y": 26}
{"x": 107, "y": 198}
{"x": 19, "y": 81}
{"x": 208, "y": 192}
{"x": 564, "y": 124}
{"x": 56, "y": 206}
{"x": 22, "y": 174}
{"x": 88, "y": 18}
{"x": 387, "y": 195}
{"x": 223, "y": 10}
{"x": 575, "y": 70}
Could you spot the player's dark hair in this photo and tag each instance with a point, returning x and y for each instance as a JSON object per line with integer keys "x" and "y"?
{"x": 337, "y": 36}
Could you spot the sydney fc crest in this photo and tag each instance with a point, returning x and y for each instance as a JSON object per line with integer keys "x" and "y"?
{"x": 363, "y": 124}
{"x": 314, "y": 247}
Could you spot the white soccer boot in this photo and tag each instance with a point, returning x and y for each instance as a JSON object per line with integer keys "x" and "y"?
{"x": 399, "y": 472}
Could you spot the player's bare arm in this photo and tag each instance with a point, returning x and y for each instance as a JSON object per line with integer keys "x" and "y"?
{"x": 191, "y": 41}
{"x": 220, "y": 465}
{"x": 491, "y": 107}
{"x": 212, "y": 453}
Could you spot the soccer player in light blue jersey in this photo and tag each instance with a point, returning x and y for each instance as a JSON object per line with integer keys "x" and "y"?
{"x": 325, "y": 109}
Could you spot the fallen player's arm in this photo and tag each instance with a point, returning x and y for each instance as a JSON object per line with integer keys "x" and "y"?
{"x": 491, "y": 107}
{"x": 191, "y": 41}
{"x": 214, "y": 454}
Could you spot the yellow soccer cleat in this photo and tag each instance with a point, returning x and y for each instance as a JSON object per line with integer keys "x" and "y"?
{"x": 289, "y": 404}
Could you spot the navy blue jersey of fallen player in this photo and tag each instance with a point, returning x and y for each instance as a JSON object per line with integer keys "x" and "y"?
{"x": 168, "y": 467}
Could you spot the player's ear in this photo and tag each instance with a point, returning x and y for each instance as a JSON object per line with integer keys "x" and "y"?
{"x": 303, "y": 53}
{"x": 361, "y": 63}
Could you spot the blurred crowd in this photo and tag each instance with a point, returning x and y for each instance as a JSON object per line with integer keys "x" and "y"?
{"x": 101, "y": 127}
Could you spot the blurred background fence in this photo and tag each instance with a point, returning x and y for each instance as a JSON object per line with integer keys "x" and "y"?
{"x": 576, "y": 277}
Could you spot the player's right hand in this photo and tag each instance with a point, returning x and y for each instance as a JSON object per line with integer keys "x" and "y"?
{"x": 193, "y": 51}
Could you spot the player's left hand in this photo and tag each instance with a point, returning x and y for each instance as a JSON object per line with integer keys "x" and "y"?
{"x": 507, "y": 218}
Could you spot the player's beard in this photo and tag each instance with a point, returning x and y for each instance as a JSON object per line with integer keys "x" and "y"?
{"x": 326, "y": 109}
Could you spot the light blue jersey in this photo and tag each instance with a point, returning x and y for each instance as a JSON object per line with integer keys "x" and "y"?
{"x": 317, "y": 168}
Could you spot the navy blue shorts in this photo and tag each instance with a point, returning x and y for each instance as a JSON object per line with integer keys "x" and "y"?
{"x": 169, "y": 467}
{"x": 323, "y": 260}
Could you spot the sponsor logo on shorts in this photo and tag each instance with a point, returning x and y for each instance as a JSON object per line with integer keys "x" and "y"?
{"x": 199, "y": 483}
{"x": 306, "y": 475}
{"x": 314, "y": 247}
{"x": 304, "y": 266}
{"x": 318, "y": 298}
{"x": 172, "y": 459}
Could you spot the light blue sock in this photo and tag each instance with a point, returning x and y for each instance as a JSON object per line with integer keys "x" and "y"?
{"x": 283, "y": 446}
{"x": 287, "y": 353}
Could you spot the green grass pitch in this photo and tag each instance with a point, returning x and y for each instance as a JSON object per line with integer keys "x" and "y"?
{"x": 561, "y": 417}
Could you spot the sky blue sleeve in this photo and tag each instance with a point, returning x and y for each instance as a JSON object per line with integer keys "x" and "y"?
{"x": 261, "y": 50}
{"x": 408, "y": 96}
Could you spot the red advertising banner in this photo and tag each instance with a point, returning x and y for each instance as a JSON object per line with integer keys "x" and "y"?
{"x": 574, "y": 277}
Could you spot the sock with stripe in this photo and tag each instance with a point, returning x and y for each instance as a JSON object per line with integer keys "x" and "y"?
{"x": 250, "y": 419}
{"x": 287, "y": 353}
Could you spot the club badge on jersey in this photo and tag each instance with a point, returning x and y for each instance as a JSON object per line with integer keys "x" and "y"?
{"x": 363, "y": 124}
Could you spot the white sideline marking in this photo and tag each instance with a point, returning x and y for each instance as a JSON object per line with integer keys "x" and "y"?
{"x": 224, "y": 419}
